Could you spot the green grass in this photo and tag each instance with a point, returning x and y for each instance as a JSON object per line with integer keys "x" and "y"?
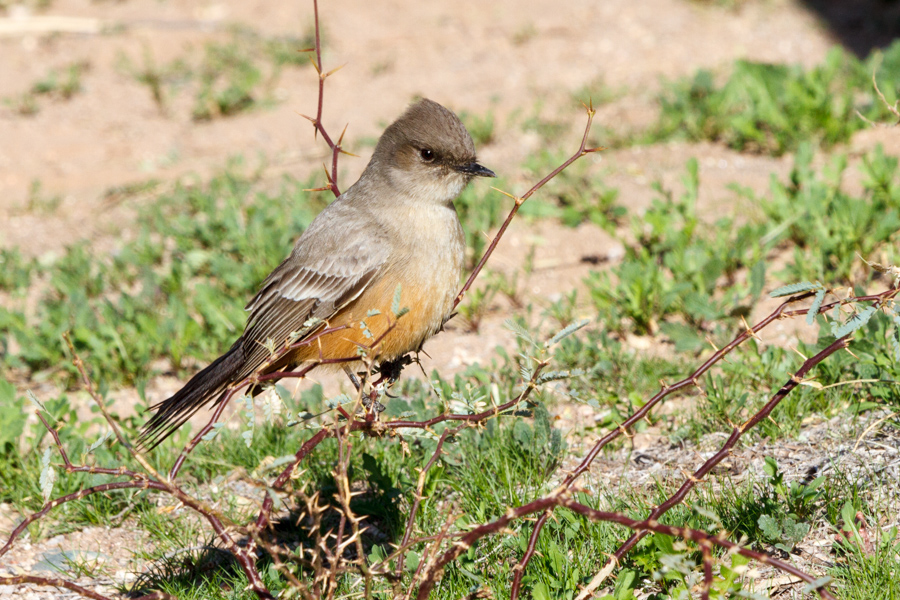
{"x": 678, "y": 266}
{"x": 772, "y": 109}
{"x": 55, "y": 85}
{"x": 175, "y": 291}
{"x": 686, "y": 278}
{"x": 826, "y": 227}
{"x": 227, "y": 77}
{"x": 868, "y": 573}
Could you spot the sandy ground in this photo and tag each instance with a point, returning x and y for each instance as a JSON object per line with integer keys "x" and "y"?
{"x": 510, "y": 57}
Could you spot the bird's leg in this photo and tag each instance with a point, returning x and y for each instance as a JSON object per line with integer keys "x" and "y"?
{"x": 389, "y": 372}
{"x": 370, "y": 399}
{"x": 353, "y": 378}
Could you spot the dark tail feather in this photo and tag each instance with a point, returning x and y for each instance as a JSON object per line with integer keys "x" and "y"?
{"x": 197, "y": 393}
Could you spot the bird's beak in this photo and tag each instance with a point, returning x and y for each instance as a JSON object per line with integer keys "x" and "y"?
{"x": 475, "y": 170}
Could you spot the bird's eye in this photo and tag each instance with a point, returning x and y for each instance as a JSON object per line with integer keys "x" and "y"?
{"x": 426, "y": 154}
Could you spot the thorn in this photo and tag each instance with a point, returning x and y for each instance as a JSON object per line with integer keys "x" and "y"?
{"x": 315, "y": 66}
{"x": 333, "y": 71}
{"x": 310, "y": 119}
{"x": 341, "y": 138}
{"x": 800, "y": 353}
{"x": 516, "y": 198}
{"x": 342, "y": 151}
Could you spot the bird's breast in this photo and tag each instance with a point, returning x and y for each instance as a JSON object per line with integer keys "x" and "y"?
{"x": 425, "y": 264}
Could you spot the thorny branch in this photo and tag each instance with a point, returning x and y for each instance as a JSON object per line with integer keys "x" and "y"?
{"x": 562, "y": 498}
{"x": 519, "y": 200}
{"x": 336, "y": 149}
{"x": 692, "y": 380}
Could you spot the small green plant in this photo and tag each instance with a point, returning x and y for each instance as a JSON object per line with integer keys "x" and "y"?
{"x": 771, "y": 109}
{"x": 15, "y": 270}
{"x": 677, "y": 266}
{"x": 478, "y": 303}
{"x": 231, "y": 76}
{"x": 480, "y": 211}
{"x": 597, "y": 93}
{"x": 162, "y": 81}
{"x": 868, "y": 569}
{"x": 827, "y": 228}
{"x": 59, "y": 86}
{"x": 575, "y": 196}
{"x": 196, "y": 248}
{"x": 786, "y": 528}
{"x": 548, "y": 129}
{"x": 242, "y": 73}
{"x": 62, "y": 86}
{"x": 38, "y": 202}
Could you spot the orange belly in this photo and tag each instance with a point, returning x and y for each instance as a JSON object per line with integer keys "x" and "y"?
{"x": 389, "y": 337}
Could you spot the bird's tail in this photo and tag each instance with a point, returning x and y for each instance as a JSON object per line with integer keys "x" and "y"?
{"x": 198, "y": 392}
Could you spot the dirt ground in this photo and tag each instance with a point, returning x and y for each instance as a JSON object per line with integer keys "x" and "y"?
{"x": 507, "y": 56}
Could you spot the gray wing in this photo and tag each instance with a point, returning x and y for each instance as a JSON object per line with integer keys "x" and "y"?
{"x": 300, "y": 289}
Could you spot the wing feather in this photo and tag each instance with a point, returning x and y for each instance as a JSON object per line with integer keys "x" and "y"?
{"x": 297, "y": 291}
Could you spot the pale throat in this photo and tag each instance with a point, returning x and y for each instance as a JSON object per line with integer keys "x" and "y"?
{"x": 425, "y": 187}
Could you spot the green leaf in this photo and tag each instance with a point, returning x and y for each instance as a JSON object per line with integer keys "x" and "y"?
{"x": 818, "y": 584}
{"x": 685, "y": 337}
{"x": 412, "y": 560}
{"x": 34, "y": 401}
{"x": 855, "y": 322}
{"x": 794, "y": 288}
{"x": 814, "y": 307}
{"x": 757, "y": 278}
{"x": 540, "y": 592}
{"x": 100, "y": 441}
{"x": 13, "y": 421}
{"x": 276, "y": 501}
{"x": 48, "y": 475}
{"x": 567, "y": 331}
{"x": 212, "y": 433}
{"x": 395, "y": 305}
{"x": 848, "y": 513}
{"x": 520, "y": 331}
{"x": 556, "y": 376}
{"x": 770, "y": 527}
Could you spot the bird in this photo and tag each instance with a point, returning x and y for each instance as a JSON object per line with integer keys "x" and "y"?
{"x": 395, "y": 231}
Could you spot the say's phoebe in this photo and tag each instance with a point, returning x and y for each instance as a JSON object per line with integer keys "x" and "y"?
{"x": 396, "y": 226}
